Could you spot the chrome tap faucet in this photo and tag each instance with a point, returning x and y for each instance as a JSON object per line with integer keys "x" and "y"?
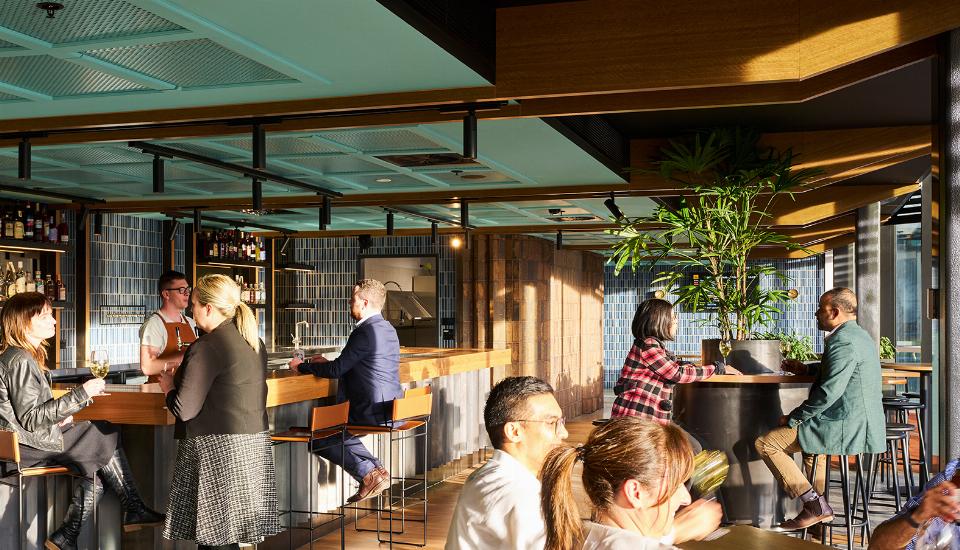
{"x": 296, "y": 333}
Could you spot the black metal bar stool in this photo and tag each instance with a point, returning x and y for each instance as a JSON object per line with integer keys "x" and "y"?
{"x": 897, "y": 436}
{"x": 851, "y": 517}
{"x": 10, "y": 452}
{"x": 410, "y": 420}
{"x": 901, "y": 412}
{"x": 325, "y": 422}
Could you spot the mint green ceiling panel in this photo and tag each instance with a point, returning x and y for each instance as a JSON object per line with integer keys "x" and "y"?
{"x": 283, "y": 146}
{"x": 382, "y": 140}
{"x": 4, "y": 45}
{"x": 55, "y": 77}
{"x": 198, "y": 149}
{"x": 342, "y": 164}
{"x": 8, "y": 97}
{"x": 471, "y": 177}
{"x": 229, "y": 187}
{"x": 85, "y": 156}
{"x": 80, "y": 177}
{"x": 190, "y": 63}
{"x": 81, "y": 20}
{"x": 171, "y": 172}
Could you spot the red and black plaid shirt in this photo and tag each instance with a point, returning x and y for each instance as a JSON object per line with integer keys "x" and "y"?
{"x": 645, "y": 387}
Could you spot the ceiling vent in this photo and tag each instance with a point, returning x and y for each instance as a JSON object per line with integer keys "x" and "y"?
{"x": 429, "y": 159}
{"x": 575, "y": 218}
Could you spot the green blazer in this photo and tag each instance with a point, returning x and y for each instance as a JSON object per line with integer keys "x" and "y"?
{"x": 844, "y": 413}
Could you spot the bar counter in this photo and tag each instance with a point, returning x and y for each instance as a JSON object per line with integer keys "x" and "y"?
{"x": 460, "y": 380}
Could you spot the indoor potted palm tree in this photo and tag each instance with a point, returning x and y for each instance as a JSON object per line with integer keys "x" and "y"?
{"x": 703, "y": 243}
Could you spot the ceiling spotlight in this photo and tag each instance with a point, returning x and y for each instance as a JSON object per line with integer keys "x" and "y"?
{"x": 555, "y": 211}
{"x": 434, "y": 232}
{"x": 611, "y": 205}
{"x": 464, "y": 213}
{"x": 98, "y": 224}
{"x": 157, "y": 174}
{"x": 50, "y": 7}
{"x": 470, "y": 135}
{"x": 456, "y": 243}
{"x": 257, "y": 201}
{"x": 389, "y": 223}
{"x": 23, "y": 159}
{"x": 197, "y": 220}
{"x": 559, "y": 240}
{"x": 383, "y": 180}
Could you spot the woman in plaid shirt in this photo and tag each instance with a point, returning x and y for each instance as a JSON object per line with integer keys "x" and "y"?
{"x": 645, "y": 387}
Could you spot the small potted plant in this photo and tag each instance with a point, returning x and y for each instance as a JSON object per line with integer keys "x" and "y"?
{"x": 888, "y": 352}
{"x": 704, "y": 243}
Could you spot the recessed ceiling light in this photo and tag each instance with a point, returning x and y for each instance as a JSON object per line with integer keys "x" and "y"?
{"x": 383, "y": 180}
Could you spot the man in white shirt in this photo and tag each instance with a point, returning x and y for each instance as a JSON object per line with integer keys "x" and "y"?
{"x": 167, "y": 332}
{"x": 499, "y": 506}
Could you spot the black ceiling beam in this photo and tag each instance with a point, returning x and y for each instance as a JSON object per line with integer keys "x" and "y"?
{"x": 428, "y": 217}
{"x": 162, "y": 150}
{"x": 233, "y": 223}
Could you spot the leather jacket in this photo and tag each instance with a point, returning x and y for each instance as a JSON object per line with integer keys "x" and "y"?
{"x": 27, "y": 405}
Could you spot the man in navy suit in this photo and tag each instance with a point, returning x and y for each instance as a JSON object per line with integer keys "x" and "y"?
{"x": 368, "y": 373}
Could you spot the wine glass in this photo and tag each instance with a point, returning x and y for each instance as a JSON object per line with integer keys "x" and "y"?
{"x": 99, "y": 363}
{"x": 725, "y": 348}
{"x": 935, "y": 534}
{"x": 710, "y": 470}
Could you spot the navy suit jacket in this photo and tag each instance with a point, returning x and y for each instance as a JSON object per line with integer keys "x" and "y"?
{"x": 368, "y": 370}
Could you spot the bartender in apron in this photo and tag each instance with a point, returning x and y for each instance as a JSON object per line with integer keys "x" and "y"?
{"x": 166, "y": 334}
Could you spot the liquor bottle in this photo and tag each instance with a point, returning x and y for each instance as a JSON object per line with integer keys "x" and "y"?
{"x": 28, "y": 223}
{"x": 44, "y": 233}
{"x": 61, "y": 291}
{"x": 49, "y": 289}
{"x": 21, "y": 278}
{"x": 38, "y": 282}
{"x": 63, "y": 231}
{"x": 38, "y": 216}
{"x": 7, "y": 224}
{"x": 10, "y": 280}
{"x": 30, "y": 285}
{"x": 18, "y": 224}
{"x": 52, "y": 235}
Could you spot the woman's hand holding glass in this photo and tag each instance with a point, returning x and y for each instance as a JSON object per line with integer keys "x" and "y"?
{"x": 94, "y": 387}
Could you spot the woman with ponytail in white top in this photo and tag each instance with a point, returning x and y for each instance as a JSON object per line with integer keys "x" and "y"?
{"x": 224, "y": 484}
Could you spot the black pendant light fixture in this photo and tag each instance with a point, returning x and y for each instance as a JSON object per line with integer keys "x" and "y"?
{"x": 157, "y": 174}
{"x": 23, "y": 159}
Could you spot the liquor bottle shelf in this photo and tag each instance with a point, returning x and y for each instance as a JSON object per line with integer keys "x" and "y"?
{"x": 33, "y": 246}
{"x": 215, "y": 262}
{"x": 57, "y": 304}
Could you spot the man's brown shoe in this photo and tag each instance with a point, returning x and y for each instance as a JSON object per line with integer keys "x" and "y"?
{"x": 372, "y": 484}
{"x": 813, "y": 512}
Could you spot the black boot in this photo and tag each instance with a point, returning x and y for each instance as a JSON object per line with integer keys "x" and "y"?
{"x": 80, "y": 509}
{"x": 117, "y": 477}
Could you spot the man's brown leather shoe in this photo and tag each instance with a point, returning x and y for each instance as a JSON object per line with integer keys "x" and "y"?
{"x": 372, "y": 484}
{"x": 813, "y": 512}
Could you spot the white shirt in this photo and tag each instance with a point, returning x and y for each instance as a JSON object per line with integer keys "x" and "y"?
{"x": 499, "y": 507}
{"x": 365, "y": 317}
{"x": 829, "y": 334}
{"x": 602, "y": 537}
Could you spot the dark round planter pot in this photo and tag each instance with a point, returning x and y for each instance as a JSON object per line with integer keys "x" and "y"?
{"x": 748, "y": 356}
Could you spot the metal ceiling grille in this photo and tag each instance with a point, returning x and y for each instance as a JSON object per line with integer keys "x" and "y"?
{"x": 81, "y": 176}
{"x": 284, "y": 146}
{"x": 190, "y": 63}
{"x": 4, "y": 45}
{"x": 383, "y": 140}
{"x": 58, "y": 78}
{"x": 86, "y": 156}
{"x": 82, "y": 20}
{"x": 342, "y": 164}
{"x": 8, "y": 97}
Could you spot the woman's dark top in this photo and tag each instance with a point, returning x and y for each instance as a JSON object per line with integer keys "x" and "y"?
{"x": 221, "y": 386}
{"x": 27, "y": 405}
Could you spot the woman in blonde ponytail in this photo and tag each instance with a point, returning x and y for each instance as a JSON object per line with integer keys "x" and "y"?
{"x": 633, "y": 473}
{"x": 219, "y": 398}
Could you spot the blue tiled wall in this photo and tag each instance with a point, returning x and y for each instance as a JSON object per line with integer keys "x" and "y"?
{"x": 623, "y": 293}
{"x": 329, "y": 287}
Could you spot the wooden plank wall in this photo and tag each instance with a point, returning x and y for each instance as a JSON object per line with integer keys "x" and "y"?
{"x": 545, "y": 305}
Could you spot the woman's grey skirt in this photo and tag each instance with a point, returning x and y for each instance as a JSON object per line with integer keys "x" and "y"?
{"x": 224, "y": 490}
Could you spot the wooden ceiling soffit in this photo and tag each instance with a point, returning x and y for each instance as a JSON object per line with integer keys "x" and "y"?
{"x": 731, "y": 96}
{"x": 821, "y": 231}
{"x": 807, "y": 208}
{"x": 613, "y": 46}
{"x": 453, "y": 230}
{"x": 811, "y": 250}
{"x": 838, "y": 154}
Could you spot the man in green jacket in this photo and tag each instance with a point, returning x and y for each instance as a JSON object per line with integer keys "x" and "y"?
{"x": 843, "y": 414}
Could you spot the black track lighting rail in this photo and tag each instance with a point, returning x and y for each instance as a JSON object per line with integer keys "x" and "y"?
{"x": 428, "y": 217}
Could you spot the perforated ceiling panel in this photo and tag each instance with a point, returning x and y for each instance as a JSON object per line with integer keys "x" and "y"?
{"x": 342, "y": 164}
{"x": 383, "y": 140}
{"x": 284, "y": 146}
{"x": 82, "y": 20}
{"x": 190, "y": 63}
{"x": 55, "y": 77}
{"x": 80, "y": 176}
{"x": 4, "y": 45}
{"x": 8, "y": 97}
{"x": 85, "y": 156}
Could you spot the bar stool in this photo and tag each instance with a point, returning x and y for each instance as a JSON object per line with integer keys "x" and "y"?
{"x": 410, "y": 420}
{"x": 10, "y": 452}
{"x": 901, "y": 412}
{"x": 851, "y": 519}
{"x": 325, "y": 422}
{"x": 896, "y": 436}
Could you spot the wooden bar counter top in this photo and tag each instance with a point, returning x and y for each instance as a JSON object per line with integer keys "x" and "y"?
{"x": 144, "y": 404}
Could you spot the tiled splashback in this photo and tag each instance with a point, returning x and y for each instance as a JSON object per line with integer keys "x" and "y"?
{"x": 329, "y": 287}
{"x": 623, "y": 293}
